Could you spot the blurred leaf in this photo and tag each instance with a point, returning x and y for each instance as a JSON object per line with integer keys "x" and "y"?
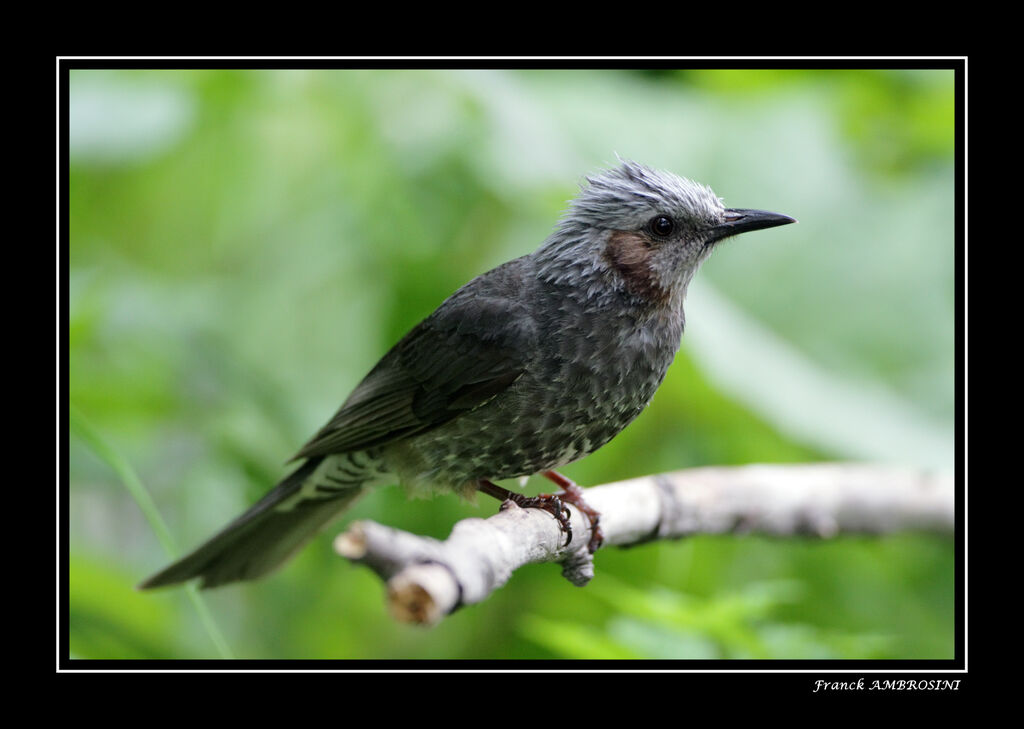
{"x": 109, "y": 621}
{"x": 131, "y": 481}
{"x": 850, "y": 418}
{"x": 653, "y": 640}
{"x": 573, "y": 641}
{"x": 662, "y": 623}
{"x": 115, "y": 120}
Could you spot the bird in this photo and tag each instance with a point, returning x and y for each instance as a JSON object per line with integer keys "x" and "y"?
{"x": 526, "y": 368}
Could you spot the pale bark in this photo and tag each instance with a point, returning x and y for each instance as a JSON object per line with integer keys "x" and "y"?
{"x": 427, "y": 578}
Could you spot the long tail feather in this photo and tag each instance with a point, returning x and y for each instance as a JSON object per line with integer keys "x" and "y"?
{"x": 263, "y": 537}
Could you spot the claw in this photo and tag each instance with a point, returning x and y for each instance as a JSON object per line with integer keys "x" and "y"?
{"x": 572, "y": 493}
{"x": 550, "y": 503}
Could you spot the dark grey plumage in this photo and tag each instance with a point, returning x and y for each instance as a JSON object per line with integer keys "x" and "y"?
{"x": 526, "y": 368}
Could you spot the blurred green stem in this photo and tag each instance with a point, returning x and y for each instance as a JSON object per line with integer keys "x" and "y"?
{"x": 81, "y": 427}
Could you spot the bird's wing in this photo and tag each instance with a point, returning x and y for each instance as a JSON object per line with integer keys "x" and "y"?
{"x": 472, "y": 348}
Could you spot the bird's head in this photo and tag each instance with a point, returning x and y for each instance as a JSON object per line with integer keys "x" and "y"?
{"x": 648, "y": 230}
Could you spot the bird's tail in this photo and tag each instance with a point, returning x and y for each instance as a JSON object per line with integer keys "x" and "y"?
{"x": 268, "y": 533}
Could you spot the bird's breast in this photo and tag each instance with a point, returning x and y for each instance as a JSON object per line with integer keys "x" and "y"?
{"x": 592, "y": 372}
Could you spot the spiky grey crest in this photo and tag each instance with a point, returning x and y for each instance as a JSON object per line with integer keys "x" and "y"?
{"x": 625, "y": 198}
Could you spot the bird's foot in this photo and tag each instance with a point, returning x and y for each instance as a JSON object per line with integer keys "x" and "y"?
{"x": 573, "y": 493}
{"x": 550, "y": 503}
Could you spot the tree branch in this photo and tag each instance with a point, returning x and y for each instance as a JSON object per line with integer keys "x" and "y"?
{"x": 427, "y": 579}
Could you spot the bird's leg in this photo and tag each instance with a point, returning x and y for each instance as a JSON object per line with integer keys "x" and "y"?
{"x": 548, "y": 502}
{"x": 573, "y": 493}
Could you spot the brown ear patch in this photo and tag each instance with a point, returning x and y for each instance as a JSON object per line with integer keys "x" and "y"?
{"x": 632, "y": 255}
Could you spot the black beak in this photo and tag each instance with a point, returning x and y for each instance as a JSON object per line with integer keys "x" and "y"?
{"x": 738, "y": 220}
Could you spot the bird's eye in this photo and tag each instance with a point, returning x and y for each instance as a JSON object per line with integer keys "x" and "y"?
{"x": 662, "y": 225}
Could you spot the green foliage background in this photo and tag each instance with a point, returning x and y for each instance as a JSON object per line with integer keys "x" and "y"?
{"x": 244, "y": 245}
